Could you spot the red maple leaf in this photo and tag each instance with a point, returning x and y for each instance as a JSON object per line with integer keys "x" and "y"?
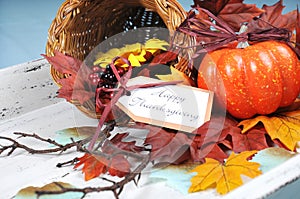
{"x": 109, "y": 160}
{"x": 164, "y": 58}
{"x": 234, "y": 12}
{"x": 214, "y": 6}
{"x": 74, "y": 84}
{"x": 117, "y": 142}
{"x": 93, "y": 166}
{"x": 209, "y": 140}
{"x": 167, "y": 146}
{"x": 273, "y": 17}
{"x": 212, "y": 138}
{"x": 119, "y": 166}
{"x": 254, "y": 139}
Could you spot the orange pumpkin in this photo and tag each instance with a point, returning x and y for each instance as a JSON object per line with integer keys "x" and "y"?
{"x": 255, "y": 80}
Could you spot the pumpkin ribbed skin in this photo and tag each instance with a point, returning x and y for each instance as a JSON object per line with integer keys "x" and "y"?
{"x": 255, "y": 80}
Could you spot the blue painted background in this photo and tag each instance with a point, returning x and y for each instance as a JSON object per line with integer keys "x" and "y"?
{"x": 24, "y": 25}
{"x": 23, "y": 34}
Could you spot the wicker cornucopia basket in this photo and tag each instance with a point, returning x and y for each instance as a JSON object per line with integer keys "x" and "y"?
{"x": 80, "y": 25}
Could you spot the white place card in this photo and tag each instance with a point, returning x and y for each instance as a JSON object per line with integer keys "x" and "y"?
{"x": 179, "y": 107}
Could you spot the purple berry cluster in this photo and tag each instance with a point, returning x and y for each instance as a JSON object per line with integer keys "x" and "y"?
{"x": 104, "y": 77}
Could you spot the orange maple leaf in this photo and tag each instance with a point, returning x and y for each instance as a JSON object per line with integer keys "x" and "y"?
{"x": 283, "y": 126}
{"x": 92, "y": 166}
{"x": 95, "y": 165}
{"x": 108, "y": 161}
{"x": 224, "y": 176}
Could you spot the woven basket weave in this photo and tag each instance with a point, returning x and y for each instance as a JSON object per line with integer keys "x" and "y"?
{"x": 80, "y": 25}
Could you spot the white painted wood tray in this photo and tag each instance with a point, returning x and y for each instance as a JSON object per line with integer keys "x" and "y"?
{"x": 28, "y": 104}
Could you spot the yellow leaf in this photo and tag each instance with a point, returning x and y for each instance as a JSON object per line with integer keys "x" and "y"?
{"x": 128, "y": 51}
{"x": 105, "y": 58}
{"x": 30, "y": 192}
{"x": 156, "y": 44}
{"x": 134, "y": 48}
{"x": 176, "y": 75}
{"x": 134, "y": 60}
{"x": 283, "y": 126}
{"x": 224, "y": 176}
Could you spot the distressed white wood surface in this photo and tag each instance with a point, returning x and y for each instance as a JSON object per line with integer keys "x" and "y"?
{"x": 28, "y": 104}
{"x": 26, "y": 87}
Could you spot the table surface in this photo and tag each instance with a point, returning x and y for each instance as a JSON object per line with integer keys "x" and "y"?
{"x": 29, "y": 104}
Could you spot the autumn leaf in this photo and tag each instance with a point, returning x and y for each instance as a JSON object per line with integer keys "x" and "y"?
{"x": 136, "y": 53}
{"x": 224, "y": 176}
{"x": 177, "y": 147}
{"x": 214, "y": 6}
{"x": 73, "y": 85}
{"x": 95, "y": 165}
{"x": 273, "y": 15}
{"x": 282, "y": 126}
{"x": 234, "y": 12}
{"x": 219, "y": 135}
{"x": 64, "y": 136}
{"x": 254, "y": 139}
{"x": 30, "y": 192}
{"x": 117, "y": 142}
{"x": 211, "y": 140}
{"x": 164, "y": 58}
{"x": 212, "y": 137}
{"x": 108, "y": 162}
{"x": 176, "y": 75}
{"x": 167, "y": 146}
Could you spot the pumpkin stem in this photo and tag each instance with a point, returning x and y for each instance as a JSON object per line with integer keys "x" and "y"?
{"x": 242, "y": 37}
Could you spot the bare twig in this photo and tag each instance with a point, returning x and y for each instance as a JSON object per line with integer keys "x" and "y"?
{"x": 116, "y": 187}
{"x": 71, "y": 162}
{"x": 59, "y": 147}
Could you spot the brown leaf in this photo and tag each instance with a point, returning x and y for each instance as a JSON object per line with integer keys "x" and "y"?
{"x": 127, "y": 146}
{"x": 283, "y": 126}
{"x": 214, "y": 6}
{"x": 254, "y": 139}
{"x": 164, "y": 58}
{"x": 234, "y": 12}
{"x": 31, "y": 192}
{"x": 118, "y": 166}
{"x": 272, "y": 17}
{"x": 212, "y": 137}
{"x": 209, "y": 140}
{"x": 167, "y": 147}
